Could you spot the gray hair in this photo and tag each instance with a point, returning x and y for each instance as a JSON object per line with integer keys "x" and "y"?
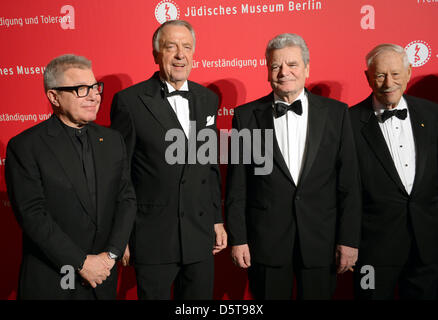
{"x": 288, "y": 40}
{"x": 371, "y": 56}
{"x": 157, "y": 33}
{"x": 56, "y": 68}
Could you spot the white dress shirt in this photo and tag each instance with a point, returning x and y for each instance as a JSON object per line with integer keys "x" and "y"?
{"x": 291, "y": 132}
{"x": 181, "y": 107}
{"x": 400, "y": 141}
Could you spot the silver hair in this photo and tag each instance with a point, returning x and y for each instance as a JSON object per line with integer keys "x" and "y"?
{"x": 288, "y": 40}
{"x": 56, "y": 68}
{"x": 369, "y": 59}
{"x": 157, "y": 33}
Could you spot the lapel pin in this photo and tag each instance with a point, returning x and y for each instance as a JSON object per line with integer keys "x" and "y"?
{"x": 101, "y": 139}
{"x": 422, "y": 125}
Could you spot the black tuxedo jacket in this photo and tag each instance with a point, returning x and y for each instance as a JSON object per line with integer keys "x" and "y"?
{"x": 178, "y": 204}
{"x": 260, "y": 209}
{"x": 49, "y": 196}
{"x": 394, "y": 220}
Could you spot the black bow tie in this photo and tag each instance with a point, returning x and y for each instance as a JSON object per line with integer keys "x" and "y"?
{"x": 281, "y": 108}
{"x": 401, "y": 114}
{"x": 184, "y": 94}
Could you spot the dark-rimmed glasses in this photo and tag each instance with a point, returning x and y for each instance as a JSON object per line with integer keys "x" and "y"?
{"x": 83, "y": 90}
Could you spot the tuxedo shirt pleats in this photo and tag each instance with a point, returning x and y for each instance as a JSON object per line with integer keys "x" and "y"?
{"x": 291, "y": 133}
{"x": 400, "y": 141}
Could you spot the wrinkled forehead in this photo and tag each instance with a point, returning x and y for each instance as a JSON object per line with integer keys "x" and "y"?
{"x": 175, "y": 33}
{"x": 388, "y": 60}
{"x": 286, "y": 54}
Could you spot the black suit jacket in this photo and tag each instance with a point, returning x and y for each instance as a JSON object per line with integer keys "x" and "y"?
{"x": 260, "y": 209}
{"x": 393, "y": 220}
{"x": 178, "y": 204}
{"x": 49, "y": 196}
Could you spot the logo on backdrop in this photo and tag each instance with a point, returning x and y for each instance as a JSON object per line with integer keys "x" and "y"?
{"x": 418, "y": 52}
{"x": 166, "y": 10}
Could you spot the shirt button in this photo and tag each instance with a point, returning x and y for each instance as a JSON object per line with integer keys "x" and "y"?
{"x": 401, "y": 146}
{"x": 406, "y": 165}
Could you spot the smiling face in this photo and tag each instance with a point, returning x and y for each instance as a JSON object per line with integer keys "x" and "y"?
{"x": 287, "y": 72}
{"x": 388, "y": 77}
{"x": 72, "y": 110}
{"x": 175, "y": 54}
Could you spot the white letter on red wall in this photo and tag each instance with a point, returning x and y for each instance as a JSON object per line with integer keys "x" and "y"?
{"x": 68, "y": 21}
{"x": 367, "y": 21}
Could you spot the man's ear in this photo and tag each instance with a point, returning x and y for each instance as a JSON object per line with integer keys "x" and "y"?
{"x": 53, "y": 97}
{"x": 155, "y": 54}
{"x": 367, "y": 76}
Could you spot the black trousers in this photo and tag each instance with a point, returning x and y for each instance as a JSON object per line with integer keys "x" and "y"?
{"x": 415, "y": 280}
{"x": 276, "y": 283}
{"x": 191, "y": 281}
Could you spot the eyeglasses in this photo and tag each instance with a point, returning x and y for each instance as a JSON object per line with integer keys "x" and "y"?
{"x": 83, "y": 90}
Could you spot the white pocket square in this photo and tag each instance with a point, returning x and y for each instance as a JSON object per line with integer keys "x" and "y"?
{"x": 210, "y": 121}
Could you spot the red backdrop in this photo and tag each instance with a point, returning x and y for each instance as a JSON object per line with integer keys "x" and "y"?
{"x": 229, "y": 58}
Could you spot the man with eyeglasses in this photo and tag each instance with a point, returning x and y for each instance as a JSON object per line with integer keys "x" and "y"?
{"x": 69, "y": 186}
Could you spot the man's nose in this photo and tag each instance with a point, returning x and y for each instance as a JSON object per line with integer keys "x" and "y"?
{"x": 284, "y": 70}
{"x": 389, "y": 81}
{"x": 179, "y": 53}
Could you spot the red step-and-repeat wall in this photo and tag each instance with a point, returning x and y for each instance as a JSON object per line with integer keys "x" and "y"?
{"x": 229, "y": 59}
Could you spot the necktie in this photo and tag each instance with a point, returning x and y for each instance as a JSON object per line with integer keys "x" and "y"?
{"x": 184, "y": 94}
{"x": 87, "y": 163}
{"x": 401, "y": 114}
{"x": 281, "y": 108}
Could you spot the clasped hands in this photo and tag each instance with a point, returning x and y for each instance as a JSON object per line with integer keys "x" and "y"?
{"x": 97, "y": 268}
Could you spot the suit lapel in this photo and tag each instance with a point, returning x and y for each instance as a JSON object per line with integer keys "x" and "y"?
{"x": 100, "y": 156}
{"x": 374, "y": 137}
{"x": 419, "y": 130}
{"x": 196, "y": 103}
{"x": 315, "y": 128}
{"x": 160, "y": 108}
{"x": 59, "y": 143}
{"x": 265, "y": 120}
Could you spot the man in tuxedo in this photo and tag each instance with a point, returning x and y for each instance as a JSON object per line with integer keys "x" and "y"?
{"x": 69, "y": 186}
{"x": 396, "y": 140}
{"x": 303, "y": 215}
{"x": 179, "y": 224}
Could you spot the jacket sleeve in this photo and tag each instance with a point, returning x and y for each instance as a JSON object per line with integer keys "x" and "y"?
{"x": 125, "y": 211}
{"x": 235, "y": 204}
{"x": 348, "y": 188}
{"x": 216, "y": 180}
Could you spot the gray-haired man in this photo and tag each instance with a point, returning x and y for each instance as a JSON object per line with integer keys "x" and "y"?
{"x": 306, "y": 213}
{"x": 396, "y": 138}
{"x": 179, "y": 219}
{"x": 70, "y": 190}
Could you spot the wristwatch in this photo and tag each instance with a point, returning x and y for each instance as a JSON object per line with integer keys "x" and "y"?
{"x": 112, "y": 255}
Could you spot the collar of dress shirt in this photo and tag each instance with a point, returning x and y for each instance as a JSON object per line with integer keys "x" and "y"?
{"x": 379, "y": 108}
{"x": 170, "y": 88}
{"x": 301, "y": 97}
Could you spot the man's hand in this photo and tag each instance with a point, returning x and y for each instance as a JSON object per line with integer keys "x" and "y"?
{"x": 109, "y": 262}
{"x": 221, "y": 238}
{"x": 95, "y": 270}
{"x": 126, "y": 256}
{"x": 241, "y": 256}
{"x": 346, "y": 258}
